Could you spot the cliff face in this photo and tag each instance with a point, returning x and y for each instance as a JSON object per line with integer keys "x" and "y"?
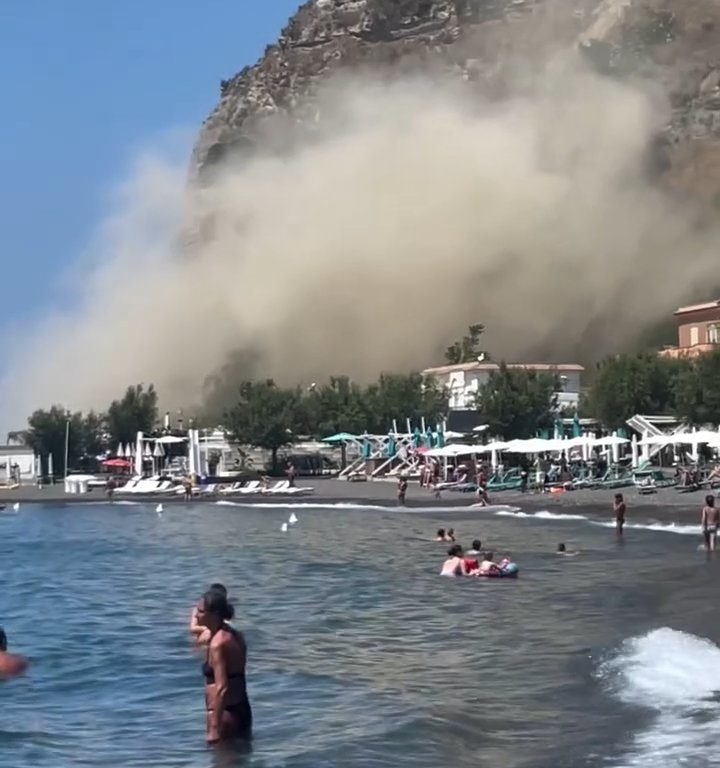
{"x": 673, "y": 43}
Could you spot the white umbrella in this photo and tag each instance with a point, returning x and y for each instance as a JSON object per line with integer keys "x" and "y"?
{"x": 450, "y": 450}
{"x": 120, "y": 451}
{"x": 610, "y": 441}
{"x": 450, "y": 435}
{"x": 158, "y": 452}
{"x": 171, "y": 439}
{"x": 147, "y": 453}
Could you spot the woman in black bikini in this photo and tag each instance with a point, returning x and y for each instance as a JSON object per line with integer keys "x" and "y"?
{"x": 228, "y": 709}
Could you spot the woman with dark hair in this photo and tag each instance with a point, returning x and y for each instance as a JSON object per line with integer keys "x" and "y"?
{"x": 11, "y": 664}
{"x": 201, "y": 633}
{"x": 228, "y": 709}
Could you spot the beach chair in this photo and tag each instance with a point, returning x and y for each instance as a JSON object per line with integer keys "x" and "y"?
{"x": 252, "y": 487}
{"x": 511, "y": 480}
{"x": 279, "y": 487}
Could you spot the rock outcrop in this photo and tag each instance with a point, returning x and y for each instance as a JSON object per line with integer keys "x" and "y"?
{"x": 675, "y": 43}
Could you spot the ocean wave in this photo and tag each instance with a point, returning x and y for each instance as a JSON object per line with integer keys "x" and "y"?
{"x": 348, "y": 505}
{"x": 541, "y": 515}
{"x": 676, "y": 675}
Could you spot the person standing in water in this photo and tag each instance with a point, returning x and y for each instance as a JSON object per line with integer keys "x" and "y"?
{"x": 198, "y": 630}
{"x": 619, "y": 509}
{"x": 402, "y": 490}
{"x": 229, "y": 715}
{"x": 710, "y": 520}
{"x": 11, "y": 665}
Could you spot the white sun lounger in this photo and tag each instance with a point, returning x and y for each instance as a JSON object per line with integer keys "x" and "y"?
{"x": 252, "y": 487}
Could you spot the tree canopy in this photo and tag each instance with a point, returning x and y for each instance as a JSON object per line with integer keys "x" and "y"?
{"x": 467, "y": 350}
{"x": 266, "y": 416}
{"x": 517, "y": 403}
{"x": 136, "y": 412}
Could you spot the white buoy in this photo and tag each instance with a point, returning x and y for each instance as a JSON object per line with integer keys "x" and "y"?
{"x": 16, "y": 506}
{"x": 293, "y": 519}
{"x": 159, "y": 509}
{"x": 284, "y": 527}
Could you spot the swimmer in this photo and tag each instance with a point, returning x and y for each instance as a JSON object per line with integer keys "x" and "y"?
{"x": 440, "y": 535}
{"x": 710, "y": 520}
{"x": 488, "y": 567}
{"x": 201, "y": 632}
{"x": 11, "y": 665}
{"x": 562, "y": 550}
{"x": 450, "y": 535}
{"x": 476, "y": 548}
{"x": 455, "y": 564}
{"x": 229, "y": 715}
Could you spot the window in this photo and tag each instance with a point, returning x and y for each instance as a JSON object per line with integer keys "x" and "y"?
{"x": 713, "y": 333}
{"x": 694, "y": 332}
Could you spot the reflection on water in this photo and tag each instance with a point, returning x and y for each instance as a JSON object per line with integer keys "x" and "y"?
{"x": 360, "y": 655}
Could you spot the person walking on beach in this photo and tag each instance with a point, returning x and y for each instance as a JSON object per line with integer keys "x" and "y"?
{"x": 619, "y": 509}
{"x": 402, "y": 490}
{"x": 710, "y": 521}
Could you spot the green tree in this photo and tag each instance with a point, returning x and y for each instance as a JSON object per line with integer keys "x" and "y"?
{"x": 46, "y": 434}
{"x": 698, "y": 391}
{"x": 266, "y": 416}
{"x": 517, "y": 403}
{"x": 136, "y": 412}
{"x": 403, "y": 396}
{"x": 94, "y": 438}
{"x": 338, "y": 406}
{"x": 630, "y": 384}
{"x": 467, "y": 350}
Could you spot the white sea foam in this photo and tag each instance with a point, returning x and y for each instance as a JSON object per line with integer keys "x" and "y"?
{"x": 541, "y": 515}
{"x": 685, "y": 530}
{"x": 677, "y": 675}
{"x": 348, "y": 505}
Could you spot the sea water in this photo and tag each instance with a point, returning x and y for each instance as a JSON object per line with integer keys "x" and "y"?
{"x": 359, "y": 653}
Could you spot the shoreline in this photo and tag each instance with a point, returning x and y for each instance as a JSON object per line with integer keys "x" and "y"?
{"x": 668, "y": 501}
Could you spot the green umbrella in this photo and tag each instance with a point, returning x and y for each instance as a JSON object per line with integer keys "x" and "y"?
{"x": 577, "y": 429}
{"x": 439, "y": 439}
{"x": 417, "y": 438}
{"x": 391, "y": 445}
{"x": 341, "y": 437}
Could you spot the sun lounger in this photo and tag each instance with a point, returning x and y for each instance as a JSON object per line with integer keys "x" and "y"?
{"x": 252, "y": 487}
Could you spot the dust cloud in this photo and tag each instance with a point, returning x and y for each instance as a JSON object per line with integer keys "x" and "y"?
{"x": 416, "y": 211}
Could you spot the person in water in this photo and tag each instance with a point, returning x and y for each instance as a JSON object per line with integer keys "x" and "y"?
{"x": 476, "y": 549}
{"x": 455, "y": 563}
{"x": 440, "y": 535}
{"x": 472, "y": 557}
{"x": 710, "y": 520}
{"x": 619, "y": 509}
{"x": 563, "y": 551}
{"x": 488, "y": 567}
{"x": 201, "y": 632}
{"x": 450, "y": 535}
{"x": 229, "y": 715}
{"x": 402, "y": 490}
{"x": 11, "y": 664}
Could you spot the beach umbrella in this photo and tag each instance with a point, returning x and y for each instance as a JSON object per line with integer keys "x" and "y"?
{"x": 366, "y": 448}
{"x": 635, "y": 452}
{"x": 120, "y": 450}
{"x": 558, "y": 431}
{"x": 391, "y": 447}
{"x": 450, "y": 435}
{"x": 440, "y": 440}
{"x": 429, "y": 441}
{"x": 577, "y": 429}
{"x": 147, "y": 453}
{"x": 340, "y": 437}
{"x": 158, "y": 451}
{"x": 117, "y": 463}
{"x": 417, "y": 437}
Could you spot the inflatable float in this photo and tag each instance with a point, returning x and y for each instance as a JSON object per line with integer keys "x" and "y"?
{"x": 506, "y": 571}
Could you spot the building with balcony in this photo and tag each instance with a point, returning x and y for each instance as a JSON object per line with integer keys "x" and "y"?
{"x": 464, "y": 381}
{"x": 698, "y": 330}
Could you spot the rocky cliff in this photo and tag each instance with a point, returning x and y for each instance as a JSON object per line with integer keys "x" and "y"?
{"x": 673, "y": 43}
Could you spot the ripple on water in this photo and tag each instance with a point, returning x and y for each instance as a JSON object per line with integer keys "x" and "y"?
{"x": 360, "y": 655}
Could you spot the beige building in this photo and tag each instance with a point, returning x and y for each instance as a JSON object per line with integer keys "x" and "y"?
{"x": 464, "y": 381}
{"x": 698, "y": 330}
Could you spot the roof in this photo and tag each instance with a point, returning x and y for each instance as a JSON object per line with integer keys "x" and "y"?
{"x": 698, "y": 307}
{"x": 490, "y": 367}
{"x": 15, "y": 450}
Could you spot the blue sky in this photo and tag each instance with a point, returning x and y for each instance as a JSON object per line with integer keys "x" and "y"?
{"x": 85, "y": 85}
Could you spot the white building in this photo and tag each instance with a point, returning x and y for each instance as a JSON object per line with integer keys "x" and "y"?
{"x": 464, "y": 381}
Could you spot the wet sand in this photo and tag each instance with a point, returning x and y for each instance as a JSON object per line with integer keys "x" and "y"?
{"x": 667, "y": 503}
